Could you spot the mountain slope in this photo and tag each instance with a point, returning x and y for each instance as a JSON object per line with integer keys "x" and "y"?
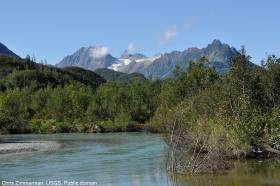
{"x": 5, "y": 51}
{"x": 131, "y": 63}
{"x": 112, "y": 75}
{"x": 88, "y": 58}
{"x": 217, "y": 53}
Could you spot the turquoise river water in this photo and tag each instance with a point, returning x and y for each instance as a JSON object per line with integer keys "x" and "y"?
{"x": 119, "y": 159}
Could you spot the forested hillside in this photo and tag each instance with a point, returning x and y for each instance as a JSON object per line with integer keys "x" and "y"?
{"x": 44, "y": 99}
{"x": 19, "y": 73}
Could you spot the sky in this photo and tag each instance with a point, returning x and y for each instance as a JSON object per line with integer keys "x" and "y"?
{"x": 52, "y": 29}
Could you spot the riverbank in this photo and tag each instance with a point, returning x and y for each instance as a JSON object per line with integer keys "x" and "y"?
{"x": 16, "y": 147}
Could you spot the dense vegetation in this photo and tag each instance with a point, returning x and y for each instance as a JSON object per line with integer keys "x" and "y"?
{"x": 43, "y": 99}
{"x": 209, "y": 119}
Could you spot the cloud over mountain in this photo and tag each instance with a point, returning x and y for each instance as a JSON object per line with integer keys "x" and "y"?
{"x": 99, "y": 51}
{"x": 167, "y": 35}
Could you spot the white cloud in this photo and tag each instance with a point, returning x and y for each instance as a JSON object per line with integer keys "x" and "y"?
{"x": 167, "y": 35}
{"x": 99, "y": 51}
{"x": 131, "y": 47}
{"x": 172, "y": 32}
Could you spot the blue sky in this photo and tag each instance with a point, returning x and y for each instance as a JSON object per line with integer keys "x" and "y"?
{"x": 52, "y": 29}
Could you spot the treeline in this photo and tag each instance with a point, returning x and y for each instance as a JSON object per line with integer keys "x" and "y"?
{"x": 209, "y": 119}
{"x": 42, "y": 99}
{"x": 76, "y": 108}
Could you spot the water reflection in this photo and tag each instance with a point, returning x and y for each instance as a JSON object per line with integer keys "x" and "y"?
{"x": 121, "y": 159}
{"x": 249, "y": 173}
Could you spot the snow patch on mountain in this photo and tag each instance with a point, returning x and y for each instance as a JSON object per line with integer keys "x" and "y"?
{"x": 122, "y": 62}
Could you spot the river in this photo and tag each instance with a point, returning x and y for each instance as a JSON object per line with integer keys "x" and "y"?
{"x": 120, "y": 159}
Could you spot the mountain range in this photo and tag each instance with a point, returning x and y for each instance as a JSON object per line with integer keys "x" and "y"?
{"x": 158, "y": 66}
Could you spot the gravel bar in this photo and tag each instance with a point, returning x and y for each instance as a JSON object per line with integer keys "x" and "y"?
{"x": 27, "y": 146}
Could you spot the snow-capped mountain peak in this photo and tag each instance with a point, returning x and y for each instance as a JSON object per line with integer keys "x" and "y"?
{"x": 157, "y": 66}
